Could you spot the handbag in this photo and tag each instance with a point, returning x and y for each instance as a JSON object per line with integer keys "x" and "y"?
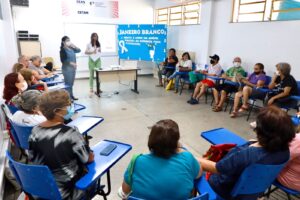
{"x": 131, "y": 167}
{"x": 216, "y": 153}
{"x": 170, "y": 85}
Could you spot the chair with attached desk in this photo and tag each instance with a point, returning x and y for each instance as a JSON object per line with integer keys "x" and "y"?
{"x": 289, "y": 192}
{"x": 254, "y": 100}
{"x": 295, "y": 98}
{"x": 222, "y": 136}
{"x": 102, "y": 165}
{"x": 252, "y": 183}
{"x": 217, "y": 80}
{"x": 185, "y": 79}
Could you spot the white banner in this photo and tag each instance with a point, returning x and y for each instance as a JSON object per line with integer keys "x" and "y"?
{"x": 90, "y": 8}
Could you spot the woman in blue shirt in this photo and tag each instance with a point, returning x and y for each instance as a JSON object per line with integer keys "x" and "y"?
{"x": 167, "y": 172}
{"x": 68, "y": 58}
{"x": 274, "y": 131}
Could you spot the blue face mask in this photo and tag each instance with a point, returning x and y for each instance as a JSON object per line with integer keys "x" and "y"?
{"x": 70, "y": 112}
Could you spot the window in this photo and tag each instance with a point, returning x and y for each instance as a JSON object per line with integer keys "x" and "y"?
{"x": 185, "y": 14}
{"x": 265, "y": 10}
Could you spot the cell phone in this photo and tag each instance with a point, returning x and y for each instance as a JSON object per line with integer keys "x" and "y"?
{"x": 108, "y": 149}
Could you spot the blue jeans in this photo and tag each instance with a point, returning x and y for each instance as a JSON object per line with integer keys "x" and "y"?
{"x": 178, "y": 75}
{"x": 69, "y": 73}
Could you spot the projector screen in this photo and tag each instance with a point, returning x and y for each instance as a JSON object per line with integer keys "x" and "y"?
{"x": 80, "y": 35}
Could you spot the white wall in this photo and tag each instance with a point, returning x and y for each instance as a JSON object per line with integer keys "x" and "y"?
{"x": 8, "y": 47}
{"x": 266, "y": 42}
{"x": 45, "y": 18}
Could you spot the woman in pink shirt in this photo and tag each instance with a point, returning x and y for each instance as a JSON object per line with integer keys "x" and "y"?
{"x": 290, "y": 175}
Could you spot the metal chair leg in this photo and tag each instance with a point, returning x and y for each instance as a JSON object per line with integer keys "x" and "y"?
{"x": 250, "y": 110}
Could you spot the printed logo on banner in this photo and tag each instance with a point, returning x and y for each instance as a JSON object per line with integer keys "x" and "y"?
{"x": 90, "y": 8}
{"x": 142, "y": 42}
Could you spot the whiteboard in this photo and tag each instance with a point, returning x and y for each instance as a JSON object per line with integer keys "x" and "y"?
{"x": 30, "y": 48}
{"x": 80, "y": 35}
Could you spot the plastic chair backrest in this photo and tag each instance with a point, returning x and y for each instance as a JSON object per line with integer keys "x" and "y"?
{"x": 36, "y": 180}
{"x": 12, "y": 134}
{"x": 268, "y": 80}
{"x": 12, "y": 108}
{"x": 22, "y": 133}
{"x": 200, "y": 197}
{"x": 193, "y": 66}
{"x": 256, "y": 178}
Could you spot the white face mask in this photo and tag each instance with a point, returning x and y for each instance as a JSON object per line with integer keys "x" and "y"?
{"x": 25, "y": 86}
{"x": 236, "y": 64}
{"x": 277, "y": 73}
{"x": 68, "y": 43}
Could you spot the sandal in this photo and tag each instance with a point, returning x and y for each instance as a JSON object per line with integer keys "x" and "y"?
{"x": 217, "y": 109}
{"x": 233, "y": 114}
{"x": 243, "y": 109}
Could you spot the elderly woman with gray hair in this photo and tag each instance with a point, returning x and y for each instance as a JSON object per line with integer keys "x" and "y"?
{"x": 284, "y": 85}
{"x": 28, "y": 103}
{"x": 38, "y": 71}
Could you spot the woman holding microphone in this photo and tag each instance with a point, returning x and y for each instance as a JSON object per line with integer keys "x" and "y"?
{"x": 68, "y": 58}
{"x": 93, "y": 49}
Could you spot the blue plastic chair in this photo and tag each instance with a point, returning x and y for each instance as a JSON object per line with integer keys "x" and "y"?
{"x": 36, "y": 180}
{"x": 254, "y": 100}
{"x": 254, "y": 181}
{"x": 204, "y": 196}
{"x": 296, "y": 120}
{"x": 210, "y": 88}
{"x": 12, "y": 108}
{"x": 22, "y": 133}
{"x": 296, "y": 98}
{"x": 78, "y": 107}
{"x": 289, "y": 192}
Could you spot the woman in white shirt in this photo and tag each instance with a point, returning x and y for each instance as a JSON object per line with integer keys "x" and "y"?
{"x": 184, "y": 65}
{"x": 28, "y": 103}
{"x": 93, "y": 49}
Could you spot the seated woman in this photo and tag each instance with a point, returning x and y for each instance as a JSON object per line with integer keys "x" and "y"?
{"x": 38, "y": 71}
{"x": 30, "y": 79}
{"x": 285, "y": 86}
{"x": 167, "y": 172}
{"x": 184, "y": 65}
{"x": 289, "y": 176}
{"x": 18, "y": 67}
{"x": 169, "y": 66}
{"x": 28, "y": 103}
{"x": 60, "y": 147}
{"x": 274, "y": 132}
{"x": 233, "y": 74}
{"x": 214, "y": 70}
{"x": 256, "y": 80}
{"x": 14, "y": 84}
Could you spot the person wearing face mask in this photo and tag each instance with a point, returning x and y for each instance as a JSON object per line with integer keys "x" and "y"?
{"x": 233, "y": 74}
{"x": 93, "y": 49}
{"x": 14, "y": 84}
{"x": 284, "y": 85}
{"x": 256, "y": 80}
{"x": 214, "y": 69}
{"x": 32, "y": 82}
{"x": 69, "y": 151}
{"x": 68, "y": 58}
{"x": 28, "y": 105}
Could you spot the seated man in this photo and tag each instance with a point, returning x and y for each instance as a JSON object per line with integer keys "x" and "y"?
{"x": 169, "y": 66}
{"x": 233, "y": 74}
{"x": 39, "y": 72}
{"x": 256, "y": 80}
{"x": 214, "y": 70}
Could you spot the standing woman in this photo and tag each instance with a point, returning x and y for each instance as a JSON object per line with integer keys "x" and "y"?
{"x": 93, "y": 49}
{"x": 68, "y": 59}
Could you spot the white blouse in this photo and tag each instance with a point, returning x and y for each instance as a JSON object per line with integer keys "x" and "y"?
{"x": 91, "y": 49}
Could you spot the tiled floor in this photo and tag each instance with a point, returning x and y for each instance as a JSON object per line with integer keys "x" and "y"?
{"x": 128, "y": 117}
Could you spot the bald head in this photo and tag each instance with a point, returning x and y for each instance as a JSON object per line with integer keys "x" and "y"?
{"x": 237, "y": 59}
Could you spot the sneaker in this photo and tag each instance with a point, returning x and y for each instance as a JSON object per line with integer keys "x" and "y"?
{"x": 194, "y": 101}
{"x": 190, "y": 100}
